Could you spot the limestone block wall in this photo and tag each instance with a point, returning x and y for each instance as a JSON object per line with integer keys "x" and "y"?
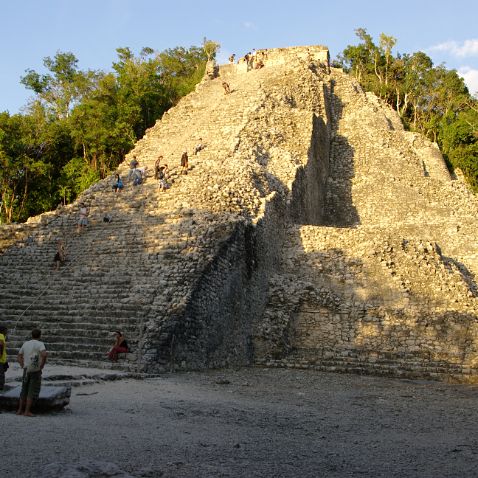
{"x": 432, "y": 160}
{"x": 12, "y": 233}
{"x": 214, "y": 326}
{"x": 387, "y": 285}
{"x": 316, "y": 54}
{"x": 371, "y": 302}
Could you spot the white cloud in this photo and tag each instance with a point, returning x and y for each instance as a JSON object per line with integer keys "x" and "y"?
{"x": 470, "y": 75}
{"x": 249, "y": 25}
{"x": 463, "y": 49}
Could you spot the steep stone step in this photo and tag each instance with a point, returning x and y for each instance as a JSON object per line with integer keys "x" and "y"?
{"x": 400, "y": 367}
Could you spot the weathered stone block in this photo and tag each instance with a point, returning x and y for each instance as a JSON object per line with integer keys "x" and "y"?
{"x": 51, "y": 398}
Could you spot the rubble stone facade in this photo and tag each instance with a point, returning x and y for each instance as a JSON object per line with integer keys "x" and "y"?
{"x": 311, "y": 231}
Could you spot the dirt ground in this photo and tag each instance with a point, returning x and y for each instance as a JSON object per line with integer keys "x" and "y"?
{"x": 252, "y": 423}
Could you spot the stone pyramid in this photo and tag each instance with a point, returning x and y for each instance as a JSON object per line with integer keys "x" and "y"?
{"x": 311, "y": 231}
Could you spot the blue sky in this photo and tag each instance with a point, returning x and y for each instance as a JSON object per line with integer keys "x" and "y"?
{"x": 93, "y": 29}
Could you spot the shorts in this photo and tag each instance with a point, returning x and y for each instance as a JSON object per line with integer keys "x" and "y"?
{"x": 31, "y": 384}
{"x": 83, "y": 221}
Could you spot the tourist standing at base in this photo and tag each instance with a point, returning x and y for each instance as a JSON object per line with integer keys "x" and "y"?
{"x": 32, "y": 358}
{"x": 3, "y": 355}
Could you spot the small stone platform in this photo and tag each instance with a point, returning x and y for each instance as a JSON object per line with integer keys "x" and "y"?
{"x": 57, "y": 382}
{"x": 51, "y": 398}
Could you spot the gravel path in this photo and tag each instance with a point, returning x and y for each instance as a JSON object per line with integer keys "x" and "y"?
{"x": 251, "y": 423}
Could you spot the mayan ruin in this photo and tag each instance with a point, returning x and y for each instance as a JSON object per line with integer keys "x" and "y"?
{"x": 311, "y": 231}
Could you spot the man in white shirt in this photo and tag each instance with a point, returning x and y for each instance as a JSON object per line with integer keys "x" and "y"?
{"x": 32, "y": 358}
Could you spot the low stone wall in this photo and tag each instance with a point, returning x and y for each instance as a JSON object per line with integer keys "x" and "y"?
{"x": 316, "y": 54}
{"x": 278, "y": 56}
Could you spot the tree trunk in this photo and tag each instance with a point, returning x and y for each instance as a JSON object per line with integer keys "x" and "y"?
{"x": 25, "y": 194}
{"x": 94, "y": 162}
{"x": 3, "y": 206}
{"x": 405, "y": 105}
{"x": 377, "y": 74}
{"x": 415, "y": 115}
{"x": 9, "y": 208}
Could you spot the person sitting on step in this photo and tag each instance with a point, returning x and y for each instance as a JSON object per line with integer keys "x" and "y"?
{"x": 199, "y": 147}
{"x": 118, "y": 184}
{"x": 137, "y": 176}
{"x": 132, "y": 166}
{"x": 120, "y": 346}
{"x": 144, "y": 172}
{"x": 163, "y": 176}
{"x": 157, "y": 165}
